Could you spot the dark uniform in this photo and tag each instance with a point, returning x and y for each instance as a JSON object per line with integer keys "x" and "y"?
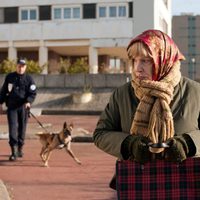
{"x": 17, "y": 90}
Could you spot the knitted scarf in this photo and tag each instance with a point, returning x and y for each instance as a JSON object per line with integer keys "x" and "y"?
{"x": 153, "y": 117}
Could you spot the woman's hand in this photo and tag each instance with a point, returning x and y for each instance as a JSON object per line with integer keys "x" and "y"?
{"x": 136, "y": 147}
{"x": 177, "y": 150}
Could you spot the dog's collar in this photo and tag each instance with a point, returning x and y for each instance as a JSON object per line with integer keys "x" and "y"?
{"x": 59, "y": 139}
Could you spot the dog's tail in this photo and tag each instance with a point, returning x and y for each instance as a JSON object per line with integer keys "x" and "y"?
{"x": 39, "y": 133}
{"x": 44, "y": 133}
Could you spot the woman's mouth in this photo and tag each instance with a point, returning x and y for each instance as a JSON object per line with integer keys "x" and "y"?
{"x": 141, "y": 77}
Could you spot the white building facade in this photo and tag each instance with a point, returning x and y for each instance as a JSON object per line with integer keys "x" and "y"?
{"x": 97, "y": 29}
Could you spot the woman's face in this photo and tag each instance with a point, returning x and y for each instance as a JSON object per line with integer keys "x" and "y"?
{"x": 142, "y": 67}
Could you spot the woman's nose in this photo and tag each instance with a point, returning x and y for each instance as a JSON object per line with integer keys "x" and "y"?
{"x": 138, "y": 66}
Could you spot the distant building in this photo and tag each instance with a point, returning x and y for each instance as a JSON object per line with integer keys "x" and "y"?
{"x": 186, "y": 34}
{"x": 100, "y": 30}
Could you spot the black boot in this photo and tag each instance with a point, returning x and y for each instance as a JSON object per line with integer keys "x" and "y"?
{"x": 20, "y": 152}
{"x": 13, "y": 156}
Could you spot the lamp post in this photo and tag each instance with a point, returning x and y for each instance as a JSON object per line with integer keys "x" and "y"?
{"x": 193, "y": 60}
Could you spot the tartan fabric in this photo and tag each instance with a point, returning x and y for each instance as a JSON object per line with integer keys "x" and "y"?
{"x": 158, "y": 180}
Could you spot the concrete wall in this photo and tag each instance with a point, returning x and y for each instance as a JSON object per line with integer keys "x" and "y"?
{"x": 66, "y": 30}
{"x": 78, "y": 80}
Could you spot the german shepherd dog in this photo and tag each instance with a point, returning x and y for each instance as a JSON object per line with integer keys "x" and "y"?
{"x": 52, "y": 141}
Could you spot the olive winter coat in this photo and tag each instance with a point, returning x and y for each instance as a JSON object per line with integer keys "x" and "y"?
{"x": 115, "y": 121}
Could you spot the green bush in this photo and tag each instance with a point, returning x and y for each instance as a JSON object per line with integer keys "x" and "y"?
{"x": 8, "y": 66}
{"x": 80, "y": 66}
{"x": 64, "y": 65}
{"x": 33, "y": 67}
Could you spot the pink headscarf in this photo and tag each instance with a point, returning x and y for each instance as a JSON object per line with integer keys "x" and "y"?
{"x": 163, "y": 49}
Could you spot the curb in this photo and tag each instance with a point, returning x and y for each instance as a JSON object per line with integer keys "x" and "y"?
{"x": 39, "y": 112}
{"x": 70, "y": 112}
{"x": 82, "y": 139}
{"x": 3, "y": 191}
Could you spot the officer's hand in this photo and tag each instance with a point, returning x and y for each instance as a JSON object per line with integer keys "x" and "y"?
{"x": 136, "y": 147}
{"x": 27, "y": 105}
{"x": 178, "y": 149}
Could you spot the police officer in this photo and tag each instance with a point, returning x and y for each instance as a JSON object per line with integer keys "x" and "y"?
{"x": 18, "y": 92}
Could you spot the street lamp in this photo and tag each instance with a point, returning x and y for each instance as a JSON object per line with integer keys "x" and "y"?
{"x": 193, "y": 60}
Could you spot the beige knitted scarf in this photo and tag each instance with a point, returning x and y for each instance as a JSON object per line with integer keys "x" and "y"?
{"x": 153, "y": 117}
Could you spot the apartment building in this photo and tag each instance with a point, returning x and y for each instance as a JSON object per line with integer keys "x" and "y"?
{"x": 186, "y": 34}
{"x": 100, "y": 30}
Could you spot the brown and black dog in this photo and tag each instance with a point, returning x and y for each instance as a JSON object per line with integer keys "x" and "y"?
{"x": 51, "y": 141}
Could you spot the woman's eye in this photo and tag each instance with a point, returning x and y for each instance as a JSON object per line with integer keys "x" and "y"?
{"x": 142, "y": 61}
{"x": 146, "y": 61}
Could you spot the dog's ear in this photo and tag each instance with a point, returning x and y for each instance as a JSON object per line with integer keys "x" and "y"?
{"x": 65, "y": 125}
{"x": 71, "y": 126}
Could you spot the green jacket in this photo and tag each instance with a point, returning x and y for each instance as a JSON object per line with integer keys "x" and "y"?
{"x": 115, "y": 121}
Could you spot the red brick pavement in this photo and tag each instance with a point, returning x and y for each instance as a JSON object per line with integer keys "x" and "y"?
{"x": 27, "y": 179}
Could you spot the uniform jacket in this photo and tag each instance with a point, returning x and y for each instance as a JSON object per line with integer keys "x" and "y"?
{"x": 115, "y": 121}
{"x": 17, "y": 90}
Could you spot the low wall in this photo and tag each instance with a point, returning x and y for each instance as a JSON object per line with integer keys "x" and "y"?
{"x": 78, "y": 80}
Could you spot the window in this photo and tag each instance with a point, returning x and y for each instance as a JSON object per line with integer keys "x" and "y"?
{"x": 1, "y": 15}
{"x": 66, "y": 12}
{"x": 192, "y": 18}
{"x": 45, "y": 12}
{"x": 24, "y": 15}
{"x": 89, "y": 11}
{"x": 76, "y": 13}
{"x": 32, "y": 14}
{"x": 130, "y": 9}
{"x": 191, "y": 45}
{"x": 113, "y": 11}
{"x": 11, "y": 15}
{"x": 102, "y": 11}
{"x": 122, "y": 11}
{"x": 57, "y": 13}
{"x": 114, "y": 64}
{"x": 28, "y": 14}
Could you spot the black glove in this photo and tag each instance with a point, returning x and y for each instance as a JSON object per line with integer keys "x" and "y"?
{"x": 136, "y": 147}
{"x": 180, "y": 147}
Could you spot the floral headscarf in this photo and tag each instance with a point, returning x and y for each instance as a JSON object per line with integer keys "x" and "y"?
{"x": 163, "y": 49}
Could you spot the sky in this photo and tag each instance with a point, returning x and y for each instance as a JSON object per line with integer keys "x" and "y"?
{"x": 179, "y": 6}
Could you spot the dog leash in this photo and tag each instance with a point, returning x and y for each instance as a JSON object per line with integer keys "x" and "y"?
{"x": 30, "y": 113}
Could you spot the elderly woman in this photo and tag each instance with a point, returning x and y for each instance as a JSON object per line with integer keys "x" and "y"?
{"x": 155, "y": 116}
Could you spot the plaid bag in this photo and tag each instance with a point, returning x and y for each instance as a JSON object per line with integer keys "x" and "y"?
{"x": 158, "y": 180}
